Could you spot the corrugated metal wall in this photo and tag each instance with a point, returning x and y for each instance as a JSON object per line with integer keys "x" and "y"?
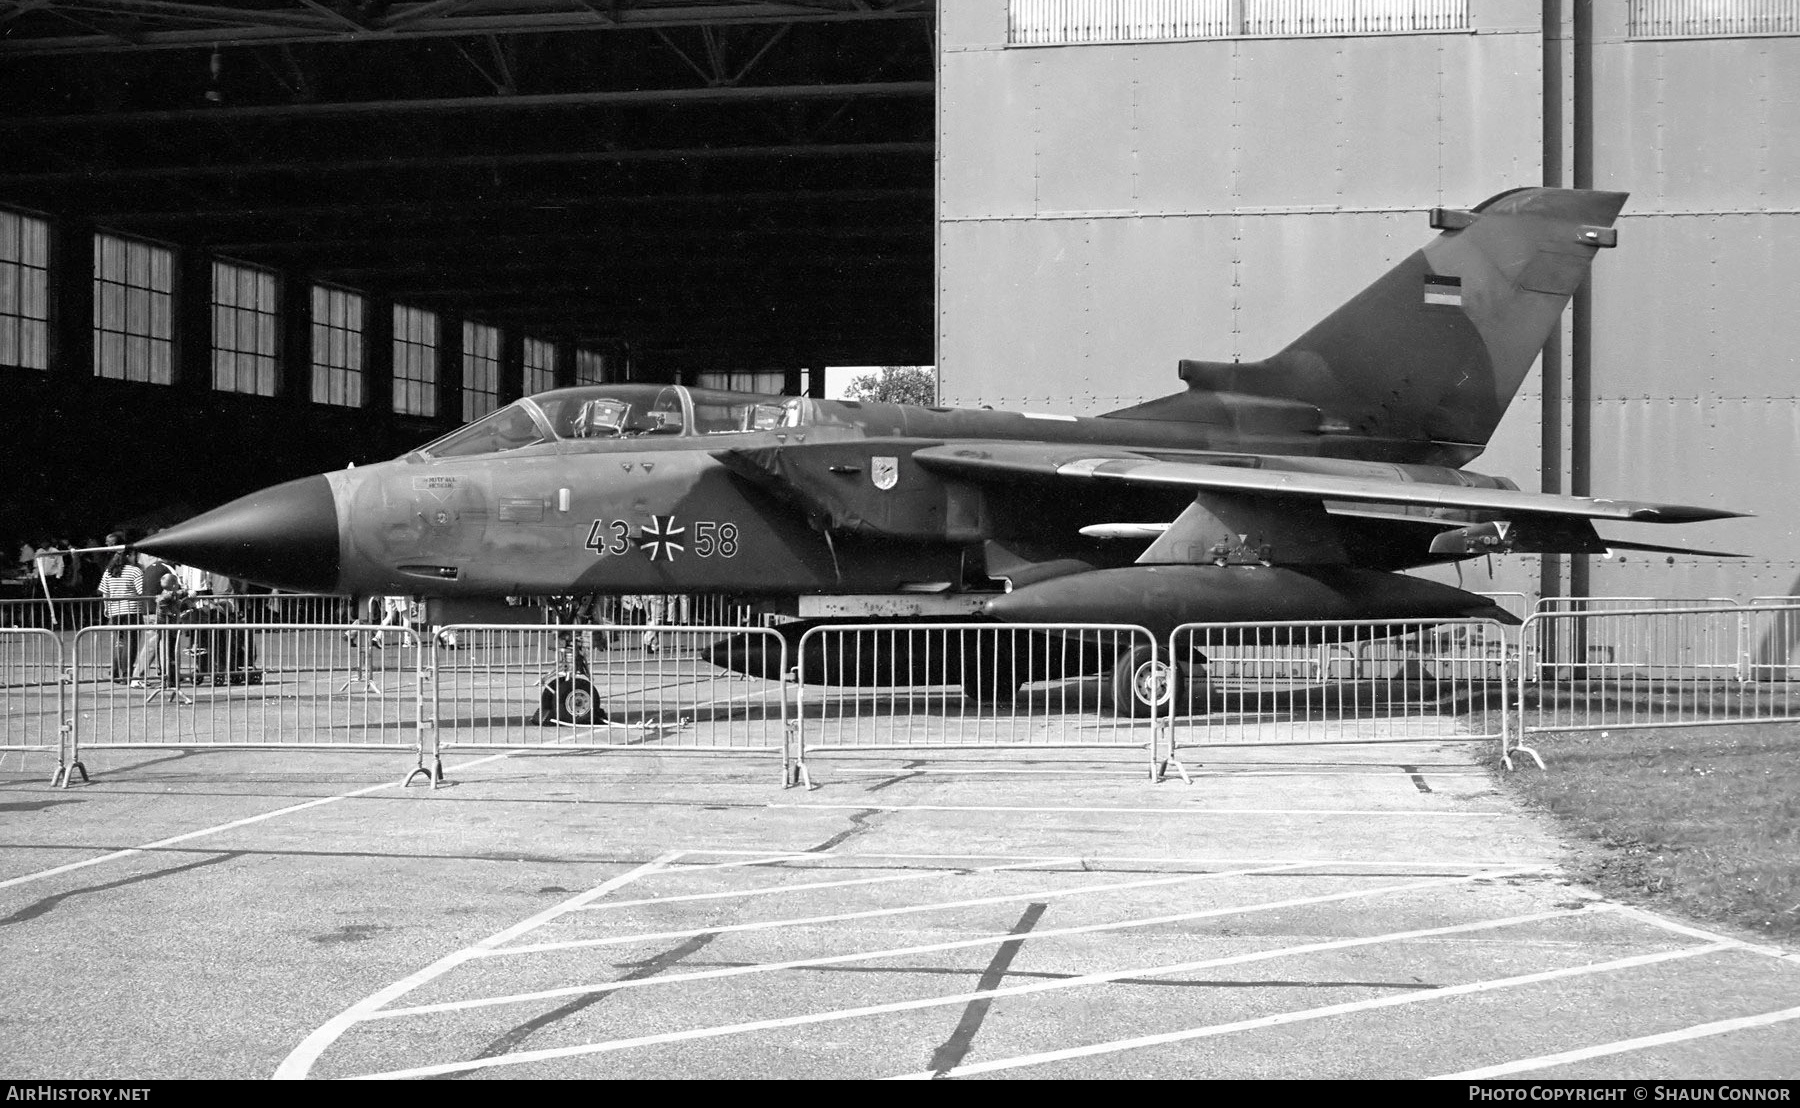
{"x": 1107, "y": 209}
{"x": 1696, "y": 332}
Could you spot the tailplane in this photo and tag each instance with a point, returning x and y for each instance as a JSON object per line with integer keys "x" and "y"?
{"x": 1434, "y": 350}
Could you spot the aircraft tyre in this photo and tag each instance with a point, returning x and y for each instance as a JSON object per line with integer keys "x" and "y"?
{"x": 1142, "y": 683}
{"x": 570, "y": 698}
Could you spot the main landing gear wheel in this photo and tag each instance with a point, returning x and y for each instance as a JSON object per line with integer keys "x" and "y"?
{"x": 570, "y": 698}
{"x": 1143, "y": 684}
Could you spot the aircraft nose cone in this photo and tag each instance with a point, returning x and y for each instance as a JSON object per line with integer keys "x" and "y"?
{"x": 285, "y": 537}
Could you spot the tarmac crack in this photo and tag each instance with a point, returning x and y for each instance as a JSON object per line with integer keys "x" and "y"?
{"x": 915, "y": 768}
{"x": 954, "y": 1049}
{"x": 510, "y": 1041}
{"x": 859, "y": 823}
{"x": 39, "y": 907}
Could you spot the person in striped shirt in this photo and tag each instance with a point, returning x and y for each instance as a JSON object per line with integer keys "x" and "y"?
{"x": 123, "y": 587}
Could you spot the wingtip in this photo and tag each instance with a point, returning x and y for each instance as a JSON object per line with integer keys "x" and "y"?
{"x": 1683, "y": 513}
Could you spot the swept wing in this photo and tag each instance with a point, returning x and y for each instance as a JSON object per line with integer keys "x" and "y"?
{"x": 1004, "y": 461}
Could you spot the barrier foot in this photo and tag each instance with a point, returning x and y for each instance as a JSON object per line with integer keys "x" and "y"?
{"x": 435, "y": 775}
{"x": 802, "y": 777}
{"x": 363, "y": 683}
{"x": 169, "y": 691}
{"x": 1506, "y": 756}
{"x": 1162, "y": 771}
{"x": 63, "y": 773}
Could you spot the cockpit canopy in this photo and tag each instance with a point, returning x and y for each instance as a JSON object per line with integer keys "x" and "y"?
{"x": 617, "y": 412}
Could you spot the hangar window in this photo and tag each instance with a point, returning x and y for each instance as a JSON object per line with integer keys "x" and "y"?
{"x": 1703, "y": 18}
{"x": 481, "y": 370}
{"x": 244, "y": 329}
{"x": 134, "y": 285}
{"x": 540, "y": 366}
{"x": 768, "y": 382}
{"x": 337, "y": 347}
{"x": 590, "y": 368}
{"x": 415, "y": 361}
{"x": 1056, "y": 22}
{"x": 24, "y": 291}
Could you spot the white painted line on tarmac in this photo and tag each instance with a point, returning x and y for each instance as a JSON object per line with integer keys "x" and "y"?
{"x": 1532, "y": 864}
{"x": 875, "y": 913}
{"x": 933, "y": 948}
{"x": 1347, "y": 1008}
{"x": 771, "y": 890}
{"x": 297, "y": 1064}
{"x": 1655, "y": 920}
{"x": 524, "y": 1057}
{"x": 766, "y": 859}
{"x": 185, "y": 837}
{"x": 1186, "y": 811}
{"x": 1645, "y": 1042}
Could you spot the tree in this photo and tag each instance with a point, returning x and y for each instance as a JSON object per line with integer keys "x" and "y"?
{"x": 895, "y": 384}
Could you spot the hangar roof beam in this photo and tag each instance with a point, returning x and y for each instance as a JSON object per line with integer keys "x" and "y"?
{"x": 426, "y": 208}
{"x": 156, "y": 24}
{"x": 627, "y": 97}
{"x": 549, "y": 157}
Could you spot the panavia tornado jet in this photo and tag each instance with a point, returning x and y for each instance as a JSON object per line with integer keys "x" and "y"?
{"x": 1296, "y": 487}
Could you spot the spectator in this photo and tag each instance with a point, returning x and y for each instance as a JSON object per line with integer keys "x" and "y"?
{"x": 88, "y": 567}
{"x": 162, "y": 605}
{"x": 51, "y": 564}
{"x": 122, "y": 584}
{"x": 394, "y": 613}
{"x": 193, "y": 581}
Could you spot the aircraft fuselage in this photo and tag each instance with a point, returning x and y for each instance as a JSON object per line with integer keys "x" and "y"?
{"x": 653, "y": 513}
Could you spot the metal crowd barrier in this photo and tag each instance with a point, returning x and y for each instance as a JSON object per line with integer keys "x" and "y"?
{"x": 72, "y": 613}
{"x": 1629, "y": 603}
{"x": 600, "y": 686}
{"x": 1657, "y": 667}
{"x": 1363, "y": 681}
{"x": 969, "y": 686}
{"x": 1774, "y": 638}
{"x": 897, "y": 687}
{"x": 663, "y": 610}
{"x": 245, "y": 686}
{"x": 1516, "y": 604}
{"x": 32, "y": 695}
{"x": 63, "y": 613}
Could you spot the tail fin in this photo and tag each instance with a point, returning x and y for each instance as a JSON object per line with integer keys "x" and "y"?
{"x": 1435, "y": 349}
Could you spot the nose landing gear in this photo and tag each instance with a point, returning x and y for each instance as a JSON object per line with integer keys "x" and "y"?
{"x": 569, "y": 696}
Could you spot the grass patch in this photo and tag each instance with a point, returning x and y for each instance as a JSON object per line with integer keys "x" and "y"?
{"x": 1701, "y": 821}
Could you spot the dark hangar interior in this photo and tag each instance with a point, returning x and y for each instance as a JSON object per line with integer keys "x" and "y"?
{"x": 666, "y": 190}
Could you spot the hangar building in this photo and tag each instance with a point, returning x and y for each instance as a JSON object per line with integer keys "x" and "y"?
{"x": 243, "y": 242}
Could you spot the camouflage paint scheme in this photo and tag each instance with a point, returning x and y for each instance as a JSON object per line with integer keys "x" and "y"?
{"x": 1290, "y": 488}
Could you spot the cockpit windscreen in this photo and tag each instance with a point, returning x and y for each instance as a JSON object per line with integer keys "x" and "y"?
{"x": 510, "y": 428}
{"x": 615, "y": 412}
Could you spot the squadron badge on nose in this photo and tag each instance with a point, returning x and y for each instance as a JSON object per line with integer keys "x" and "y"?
{"x": 885, "y": 472}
